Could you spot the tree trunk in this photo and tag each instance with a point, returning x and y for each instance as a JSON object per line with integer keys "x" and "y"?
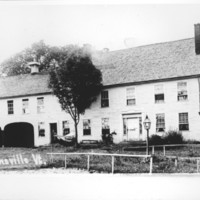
{"x": 76, "y": 134}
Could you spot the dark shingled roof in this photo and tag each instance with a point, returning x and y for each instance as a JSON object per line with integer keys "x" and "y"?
{"x": 139, "y": 64}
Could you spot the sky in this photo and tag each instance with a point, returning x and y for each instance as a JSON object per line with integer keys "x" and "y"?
{"x": 112, "y": 26}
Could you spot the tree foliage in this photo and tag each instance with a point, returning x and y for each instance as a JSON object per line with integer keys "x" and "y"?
{"x": 43, "y": 53}
{"x": 76, "y": 82}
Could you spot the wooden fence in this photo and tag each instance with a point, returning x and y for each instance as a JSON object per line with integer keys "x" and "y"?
{"x": 103, "y": 154}
{"x": 152, "y": 148}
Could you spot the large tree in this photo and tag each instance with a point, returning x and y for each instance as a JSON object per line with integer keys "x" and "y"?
{"x": 76, "y": 82}
{"x": 44, "y": 54}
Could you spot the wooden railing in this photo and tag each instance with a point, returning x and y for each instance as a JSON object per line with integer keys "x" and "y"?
{"x": 103, "y": 154}
{"x": 152, "y": 147}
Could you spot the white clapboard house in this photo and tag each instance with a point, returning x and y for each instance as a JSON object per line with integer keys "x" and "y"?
{"x": 159, "y": 80}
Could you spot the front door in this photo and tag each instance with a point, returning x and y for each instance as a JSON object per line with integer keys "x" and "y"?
{"x": 53, "y": 131}
{"x": 132, "y": 128}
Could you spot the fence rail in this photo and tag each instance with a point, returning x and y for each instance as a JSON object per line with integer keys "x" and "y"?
{"x": 163, "y": 146}
{"x": 103, "y": 154}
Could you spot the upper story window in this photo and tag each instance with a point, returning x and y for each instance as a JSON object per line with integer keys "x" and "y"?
{"x": 160, "y": 122}
{"x": 104, "y": 99}
{"x": 40, "y": 104}
{"x": 130, "y": 96}
{"x": 25, "y": 106}
{"x": 66, "y": 129}
{"x": 183, "y": 122}
{"x": 10, "y": 107}
{"x": 86, "y": 127}
{"x": 159, "y": 93}
{"x": 182, "y": 91}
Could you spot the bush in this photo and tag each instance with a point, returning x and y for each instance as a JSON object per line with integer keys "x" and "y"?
{"x": 156, "y": 140}
{"x": 173, "y": 137}
{"x": 107, "y": 137}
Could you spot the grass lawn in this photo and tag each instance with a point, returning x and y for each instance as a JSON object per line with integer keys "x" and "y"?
{"x": 102, "y": 164}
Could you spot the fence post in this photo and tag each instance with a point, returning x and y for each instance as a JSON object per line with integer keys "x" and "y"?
{"x": 88, "y": 163}
{"x": 151, "y": 165}
{"x": 153, "y": 150}
{"x": 176, "y": 162}
{"x": 197, "y": 166}
{"x": 164, "y": 150}
{"x": 65, "y": 161}
{"x": 113, "y": 163}
{"x": 51, "y": 158}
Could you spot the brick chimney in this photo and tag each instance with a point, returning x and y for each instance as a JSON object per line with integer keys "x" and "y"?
{"x": 197, "y": 38}
{"x": 34, "y": 66}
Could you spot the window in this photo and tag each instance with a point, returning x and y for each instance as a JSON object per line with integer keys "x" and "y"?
{"x": 66, "y": 129}
{"x": 182, "y": 91}
{"x": 130, "y": 96}
{"x": 105, "y": 126}
{"x": 40, "y": 104}
{"x": 41, "y": 129}
{"x": 104, "y": 99}
{"x": 10, "y": 107}
{"x": 86, "y": 127}
{"x": 159, "y": 93}
{"x": 25, "y": 106}
{"x": 183, "y": 122}
{"x": 160, "y": 122}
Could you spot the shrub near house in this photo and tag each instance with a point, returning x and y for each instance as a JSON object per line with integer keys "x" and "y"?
{"x": 170, "y": 137}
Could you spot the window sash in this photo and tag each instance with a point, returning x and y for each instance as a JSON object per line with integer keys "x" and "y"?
{"x": 10, "y": 107}
{"x": 160, "y": 122}
{"x": 104, "y": 99}
{"x": 25, "y": 106}
{"x": 182, "y": 91}
{"x": 66, "y": 129}
{"x": 86, "y": 127}
{"x": 183, "y": 121}
{"x": 130, "y": 96}
{"x": 41, "y": 129}
{"x": 40, "y": 104}
{"x": 159, "y": 98}
{"x": 105, "y": 123}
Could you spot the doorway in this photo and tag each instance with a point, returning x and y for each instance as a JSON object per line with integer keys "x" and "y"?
{"x": 131, "y": 128}
{"x": 53, "y": 132}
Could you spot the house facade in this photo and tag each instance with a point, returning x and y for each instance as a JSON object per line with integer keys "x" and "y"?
{"x": 159, "y": 80}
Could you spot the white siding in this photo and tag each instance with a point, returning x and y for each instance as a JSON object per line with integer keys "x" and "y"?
{"x": 145, "y": 105}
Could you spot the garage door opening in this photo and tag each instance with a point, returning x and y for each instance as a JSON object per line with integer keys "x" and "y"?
{"x": 19, "y": 135}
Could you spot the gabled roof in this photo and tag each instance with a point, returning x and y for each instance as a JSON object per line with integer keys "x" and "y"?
{"x": 151, "y": 62}
{"x": 24, "y": 85}
{"x": 135, "y": 65}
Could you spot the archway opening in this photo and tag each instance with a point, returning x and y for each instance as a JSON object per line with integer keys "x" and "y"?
{"x": 19, "y": 135}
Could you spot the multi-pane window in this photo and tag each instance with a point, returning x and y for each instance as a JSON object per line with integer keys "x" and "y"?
{"x": 25, "y": 106}
{"x": 10, "y": 107}
{"x": 160, "y": 122}
{"x": 86, "y": 127}
{"x": 130, "y": 96}
{"x": 41, "y": 129}
{"x": 159, "y": 94}
{"x": 40, "y": 104}
{"x": 66, "y": 129}
{"x": 183, "y": 122}
{"x": 104, "y": 99}
{"x": 182, "y": 91}
{"x": 105, "y": 126}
